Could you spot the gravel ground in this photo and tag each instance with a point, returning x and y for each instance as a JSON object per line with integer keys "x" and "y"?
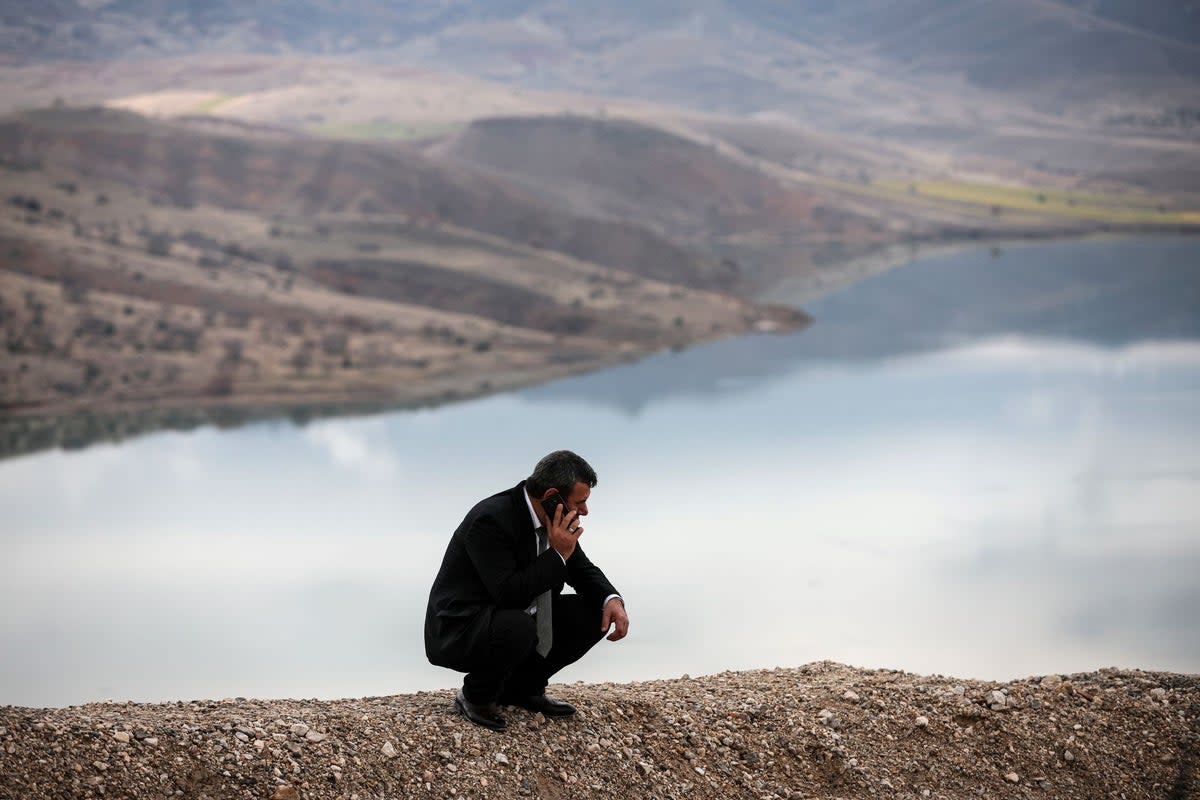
{"x": 823, "y": 730}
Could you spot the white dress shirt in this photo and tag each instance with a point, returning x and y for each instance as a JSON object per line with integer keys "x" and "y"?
{"x": 537, "y": 523}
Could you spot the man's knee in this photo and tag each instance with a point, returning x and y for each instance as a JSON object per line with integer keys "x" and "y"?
{"x": 513, "y": 635}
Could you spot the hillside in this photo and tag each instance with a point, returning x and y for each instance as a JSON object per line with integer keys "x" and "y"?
{"x": 159, "y": 265}
{"x": 824, "y": 730}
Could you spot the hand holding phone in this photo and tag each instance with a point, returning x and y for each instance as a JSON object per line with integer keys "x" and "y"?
{"x": 562, "y": 532}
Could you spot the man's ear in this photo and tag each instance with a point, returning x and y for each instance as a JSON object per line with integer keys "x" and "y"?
{"x": 549, "y": 492}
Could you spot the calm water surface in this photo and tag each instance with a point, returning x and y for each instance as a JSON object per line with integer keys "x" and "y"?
{"x": 981, "y": 464}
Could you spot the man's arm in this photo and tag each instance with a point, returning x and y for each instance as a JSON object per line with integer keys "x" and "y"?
{"x": 492, "y": 555}
{"x": 586, "y": 578}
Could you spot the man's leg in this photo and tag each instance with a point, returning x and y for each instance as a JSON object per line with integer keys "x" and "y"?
{"x": 511, "y": 638}
{"x": 576, "y": 623}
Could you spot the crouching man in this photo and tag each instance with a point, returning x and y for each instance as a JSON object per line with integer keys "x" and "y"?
{"x": 496, "y": 610}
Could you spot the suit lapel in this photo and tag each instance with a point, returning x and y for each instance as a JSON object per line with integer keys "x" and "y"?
{"x": 525, "y": 541}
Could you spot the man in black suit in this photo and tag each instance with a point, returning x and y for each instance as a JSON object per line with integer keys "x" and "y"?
{"x": 496, "y": 610}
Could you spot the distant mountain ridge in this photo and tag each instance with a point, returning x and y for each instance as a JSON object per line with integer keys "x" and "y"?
{"x": 748, "y": 54}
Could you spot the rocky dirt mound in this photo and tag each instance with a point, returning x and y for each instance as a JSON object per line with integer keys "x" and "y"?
{"x": 823, "y": 730}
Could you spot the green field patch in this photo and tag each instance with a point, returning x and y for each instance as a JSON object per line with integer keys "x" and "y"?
{"x": 1079, "y": 205}
{"x": 208, "y": 106}
{"x": 385, "y": 130}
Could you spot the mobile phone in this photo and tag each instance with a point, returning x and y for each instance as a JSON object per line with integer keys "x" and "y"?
{"x": 551, "y": 503}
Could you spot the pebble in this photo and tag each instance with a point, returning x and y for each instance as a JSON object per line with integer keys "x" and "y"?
{"x": 389, "y": 750}
{"x": 1159, "y": 694}
{"x": 850, "y": 695}
{"x": 150, "y": 740}
{"x": 1052, "y": 681}
{"x": 315, "y": 736}
{"x": 922, "y": 722}
{"x": 285, "y": 792}
{"x": 1012, "y": 777}
{"x": 299, "y": 729}
{"x": 241, "y": 737}
{"x": 121, "y": 736}
{"x": 1068, "y": 755}
{"x": 995, "y": 699}
{"x": 501, "y": 758}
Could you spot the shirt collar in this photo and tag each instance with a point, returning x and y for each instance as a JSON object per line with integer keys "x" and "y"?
{"x": 532, "y": 514}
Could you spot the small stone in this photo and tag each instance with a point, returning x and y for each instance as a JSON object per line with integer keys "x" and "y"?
{"x": 457, "y": 739}
{"x": 1159, "y": 694}
{"x": 241, "y": 737}
{"x": 1035, "y": 704}
{"x": 959, "y": 690}
{"x": 100, "y": 765}
{"x": 285, "y": 792}
{"x": 699, "y": 770}
{"x": 922, "y": 722}
{"x": 122, "y": 736}
{"x": 389, "y": 751}
{"x": 299, "y": 728}
{"x": 1012, "y": 777}
{"x": 824, "y": 713}
{"x": 501, "y": 758}
{"x": 1052, "y": 681}
{"x": 150, "y": 740}
{"x": 850, "y": 695}
{"x": 645, "y": 767}
{"x": 1068, "y": 755}
{"x": 428, "y": 776}
{"x": 483, "y": 781}
{"x": 315, "y": 736}
{"x": 995, "y": 699}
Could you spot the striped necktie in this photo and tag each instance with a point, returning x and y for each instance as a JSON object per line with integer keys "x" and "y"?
{"x": 545, "y": 631}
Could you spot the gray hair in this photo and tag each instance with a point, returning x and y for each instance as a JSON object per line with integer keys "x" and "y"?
{"x": 560, "y": 470}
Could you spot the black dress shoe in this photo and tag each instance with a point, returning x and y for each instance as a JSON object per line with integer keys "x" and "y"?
{"x": 485, "y": 715}
{"x": 539, "y": 702}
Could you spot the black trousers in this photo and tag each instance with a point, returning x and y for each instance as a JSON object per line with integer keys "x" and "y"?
{"x": 512, "y": 667}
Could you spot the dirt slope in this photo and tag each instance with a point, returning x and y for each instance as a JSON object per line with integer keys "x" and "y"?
{"x": 820, "y": 731}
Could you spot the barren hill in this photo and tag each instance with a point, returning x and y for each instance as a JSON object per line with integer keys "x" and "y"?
{"x": 154, "y": 265}
{"x": 824, "y": 730}
{"x": 621, "y": 169}
{"x": 292, "y": 174}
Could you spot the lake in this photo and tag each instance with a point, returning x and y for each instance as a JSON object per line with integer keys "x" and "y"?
{"x": 983, "y": 464}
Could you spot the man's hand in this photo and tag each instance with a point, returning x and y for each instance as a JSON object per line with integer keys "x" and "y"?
{"x": 614, "y": 614}
{"x": 563, "y": 532}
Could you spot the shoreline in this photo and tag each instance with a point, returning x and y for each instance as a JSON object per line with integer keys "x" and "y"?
{"x": 26, "y": 431}
{"x": 820, "y": 730}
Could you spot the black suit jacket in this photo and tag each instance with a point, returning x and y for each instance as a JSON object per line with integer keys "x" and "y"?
{"x": 491, "y": 563}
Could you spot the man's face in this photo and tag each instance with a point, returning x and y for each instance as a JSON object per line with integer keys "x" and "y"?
{"x": 577, "y": 500}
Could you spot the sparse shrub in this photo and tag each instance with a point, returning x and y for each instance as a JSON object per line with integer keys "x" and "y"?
{"x": 219, "y": 385}
{"x": 334, "y": 344}
{"x": 74, "y": 291}
{"x": 158, "y": 244}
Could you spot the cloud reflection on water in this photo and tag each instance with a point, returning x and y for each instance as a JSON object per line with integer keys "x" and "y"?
{"x": 1013, "y": 505}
